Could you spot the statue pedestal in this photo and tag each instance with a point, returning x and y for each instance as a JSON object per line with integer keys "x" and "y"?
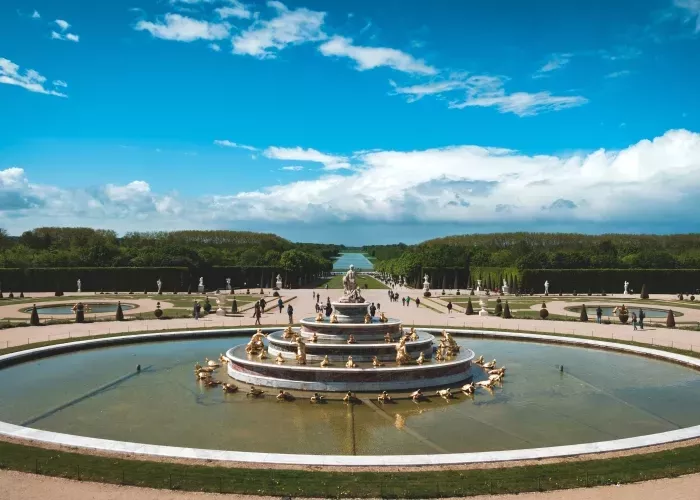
{"x": 220, "y": 312}
{"x": 506, "y": 290}
{"x": 278, "y": 285}
{"x": 483, "y": 303}
{"x": 200, "y": 288}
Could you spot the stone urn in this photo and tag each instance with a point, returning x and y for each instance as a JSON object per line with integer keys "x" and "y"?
{"x": 483, "y": 303}
{"x": 623, "y": 315}
{"x": 221, "y": 306}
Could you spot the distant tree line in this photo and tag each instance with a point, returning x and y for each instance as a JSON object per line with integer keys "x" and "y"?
{"x": 196, "y": 252}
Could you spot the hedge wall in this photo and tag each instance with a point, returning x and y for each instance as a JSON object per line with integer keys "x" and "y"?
{"x": 611, "y": 280}
{"x": 93, "y": 278}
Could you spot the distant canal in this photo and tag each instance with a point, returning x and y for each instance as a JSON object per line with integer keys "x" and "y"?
{"x": 356, "y": 259}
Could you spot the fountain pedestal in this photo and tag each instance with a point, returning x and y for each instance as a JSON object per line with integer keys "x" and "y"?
{"x": 483, "y": 303}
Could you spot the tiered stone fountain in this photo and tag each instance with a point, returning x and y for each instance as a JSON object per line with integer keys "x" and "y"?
{"x": 319, "y": 357}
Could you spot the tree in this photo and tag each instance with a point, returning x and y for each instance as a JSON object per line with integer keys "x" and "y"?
{"x": 644, "y": 294}
{"x": 506, "y": 311}
{"x": 544, "y": 312}
{"x": 34, "y": 320}
{"x": 498, "y": 310}
{"x": 584, "y": 314}
{"x": 469, "y": 309}
{"x": 120, "y": 312}
{"x": 670, "y": 319}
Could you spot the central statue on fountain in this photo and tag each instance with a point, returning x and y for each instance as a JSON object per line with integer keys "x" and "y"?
{"x": 351, "y": 292}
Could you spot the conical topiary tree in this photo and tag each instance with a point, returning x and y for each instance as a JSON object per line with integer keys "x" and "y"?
{"x": 544, "y": 312}
{"x": 21, "y": 294}
{"x": 189, "y": 289}
{"x": 120, "y": 312}
{"x": 506, "y": 311}
{"x": 80, "y": 313}
{"x": 34, "y": 320}
{"x": 644, "y": 294}
{"x": 470, "y": 309}
{"x": 584, "y": 314}
{"x": 670, "y": 319}
{"x": 498, "y": 310}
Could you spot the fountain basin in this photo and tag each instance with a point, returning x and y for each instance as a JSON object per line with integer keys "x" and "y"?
{"x": 361, "y": 331}
{"x": 339, "y": 378}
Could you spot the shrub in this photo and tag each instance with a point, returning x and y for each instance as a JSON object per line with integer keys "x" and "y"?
{"x": 623, "y": 315}
{"x": 58, "y": 293}
{"x": 670, "y": 319}
{"x": 443, "y": 292}
{"x": 145, "y": 292}
{"x": 207, "y": 305}
{"x": 471, "y": 292}
{"x": 506, "y": 311}
{"x": 560, "y": 292}
{"x": 544, "y": 312}
{"x": 458, "y": 292}
{"x": 158, "y": 312}
{"x": 584, "y": 314}
{"x": 80, "y": 313}
{"x": 10, "y": 295}
{"x": 589, "y": 292}
{"x": 130, "y": 292}
{"x": 274, "y": 294}
{"x": 470, "y": 308}
{"x": 680, "y": 296}
{"x": 34, "y": 320}
{"x": 1, "y": 295}
{"x": 644, "y": 294}
{"x": 174, "y": 291}
{"x": 603, "y": 294}
{"x": 498, "y": 310}
{"x": 189, "y": 289}
{"x": 692, "y": 297}
{"x": 120, "y": 312}
{"x": 575, "y": 294}
{"x": 102, "y": 292}
{"x": 234, "y": 307}
{"x": 21, "y": 295}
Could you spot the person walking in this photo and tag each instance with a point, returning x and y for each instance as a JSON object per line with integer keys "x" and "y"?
{"x": 280, "y": 304}
{"x": 379, "y": 306}
{"x": 195, "y": 309}
{"x": 641, "y": 319}
{"x": 408, "y": 301}
{"x": 403, "y": 301}
{"x": 256, "y": 313}
{"x": 263, "y": 303}
{"x": 449, "y": 307}
{"x": 290, "y": 313}
{"x": 417, "y": 301}
{"x": 599, "y": 315}
{"x": 634, "y": 320}
{"x": 372, "y": 310}
{"x": 313, "y": 294}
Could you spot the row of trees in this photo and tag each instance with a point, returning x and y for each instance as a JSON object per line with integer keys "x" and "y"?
{"x": 543, "y": 251}
{"x": 84, "y": 247}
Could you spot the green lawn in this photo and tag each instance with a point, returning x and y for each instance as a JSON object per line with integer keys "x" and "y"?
{"x": 336, "y": 282}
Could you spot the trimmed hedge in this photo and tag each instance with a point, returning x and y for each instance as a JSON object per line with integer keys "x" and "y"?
{"x": 568, "y": 280}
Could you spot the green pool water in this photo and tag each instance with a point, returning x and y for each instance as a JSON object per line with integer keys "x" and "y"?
{"x": 599, "y": 396}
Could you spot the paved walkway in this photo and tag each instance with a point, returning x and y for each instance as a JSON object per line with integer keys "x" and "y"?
{"x": 19, "y": 486}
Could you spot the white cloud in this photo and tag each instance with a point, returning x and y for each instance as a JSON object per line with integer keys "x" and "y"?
{"x": 36, "y": 15}
{"x": 237, "y": 9}
{"x": 59, "y": 83}
{"x": 416, "y": 92}
{"x": 31, "y": 80}
{"x": 68, "y": 36}
{"x": 289, "y": 27}
{"x": 329, "y": 162}
{"x": 691, "y": 9}
{"x": 374, "y": 57}
{"x": 618, "y": 74}
{"x": 293, "y": 168}
{"x": 454, "y": 185}
{"x": 184, "y": 29}
{"x": 488, "y": 91}
{"x": 556, "y": 61}
{"x": 215, "y": 47}
{"x": 64, "y": 25}
{"x": 228, "y": 144}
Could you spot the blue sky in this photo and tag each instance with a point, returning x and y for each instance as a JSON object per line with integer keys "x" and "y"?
{"x": 355, "y": 122}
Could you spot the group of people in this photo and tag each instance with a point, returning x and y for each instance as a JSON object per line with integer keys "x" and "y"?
{"x": 259, "y": 309}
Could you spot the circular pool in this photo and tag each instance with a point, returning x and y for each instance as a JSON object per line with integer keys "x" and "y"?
{"x": 92, "y": 308}
{"x": 608, "y": 311}
{"x": 600, "y": 395}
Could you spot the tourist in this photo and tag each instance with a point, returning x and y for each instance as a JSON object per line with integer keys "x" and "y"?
{"x": 634, "y": 320}
{"x": 280, "y": 304}
{"x": 318, "y": 296}
{"x": 372, "y": 310}
{"x": 403, "y": 301}
{"x": 417, "y": 301}
{"x": 599, "y": 315}
{"x": 379, "y": 306}
{"x": 257, "y": 313}
{"x": 408, "y": 301}
{"x": 263, "y": 303}
{"x": 449, "y": 307}
{"x": 313, "y": 294}
{"x": 196, "y": 308}
{"x": 641, "y": 319}
{"x": 290, "y": 313}
{"x": 329, "y": 310}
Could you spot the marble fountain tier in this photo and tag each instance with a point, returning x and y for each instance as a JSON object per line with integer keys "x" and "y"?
{"x": 318, "y": 357}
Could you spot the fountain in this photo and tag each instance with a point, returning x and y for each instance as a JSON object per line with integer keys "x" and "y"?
{"x": 319, "y": 357}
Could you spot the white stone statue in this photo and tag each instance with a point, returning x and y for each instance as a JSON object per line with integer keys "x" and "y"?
{"x": 483, "y": 302}
{"x": 278, "y": 284}
{"x": 546, "y": 287}
{"x": 426, "y": 283}
{"x": 478, "y": 285}
{"x": 80, "y": 284}
{"x": 505, "y": 288}
{"x": 201, "y": 281}
{"x": 159, "y": 284}
{"x": 228, "y": 283}
{"x": 221, "y": 303}
{"x": 351, "y": 292}
{"x": 627, "y": 284}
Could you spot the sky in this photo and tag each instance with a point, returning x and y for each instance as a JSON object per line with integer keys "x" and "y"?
{"x": 354, "y": 122}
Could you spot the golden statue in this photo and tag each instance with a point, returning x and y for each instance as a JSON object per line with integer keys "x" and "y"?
{"x": 334, "y": 318}
{"x": 279, "y": 359}
{"x": 421, "y": 358}
{"x": 326, "y": 362}
{"x": 385, "y": 398}
{"x": 414, "y": 335}
{"x": 319, "y": 317}
{"x": 263, "y": 354}
{"x": 387, "y": 338}
{"x": 301, "y": 351}
{"x": 349, "y": 398}
{"x": 351, "y": 339}
{"x": 402, "y": 356}
{"x": 489, "y": 365}
{"x": 468, "y": 389}
{"x": 350, "y": 363}
{"x": 449, "y": 342}
{"x": 317, "y": 398}
{"x": 256, "y": 343}
{"x": 255, "y": 392}
{"x": 376, "y": 363}
{"x": 314, "y": 338}
{"x": 368, "y": 318}
{"x": 383, "y": 318}
{"x": 284, "y": 396}
{"x": 479, "y": 361}
{"x": 444, "y": 394}
{"x": 229, "y": 388}
{"x": 288, "y": 333}
{"x": 439, "y": 356}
